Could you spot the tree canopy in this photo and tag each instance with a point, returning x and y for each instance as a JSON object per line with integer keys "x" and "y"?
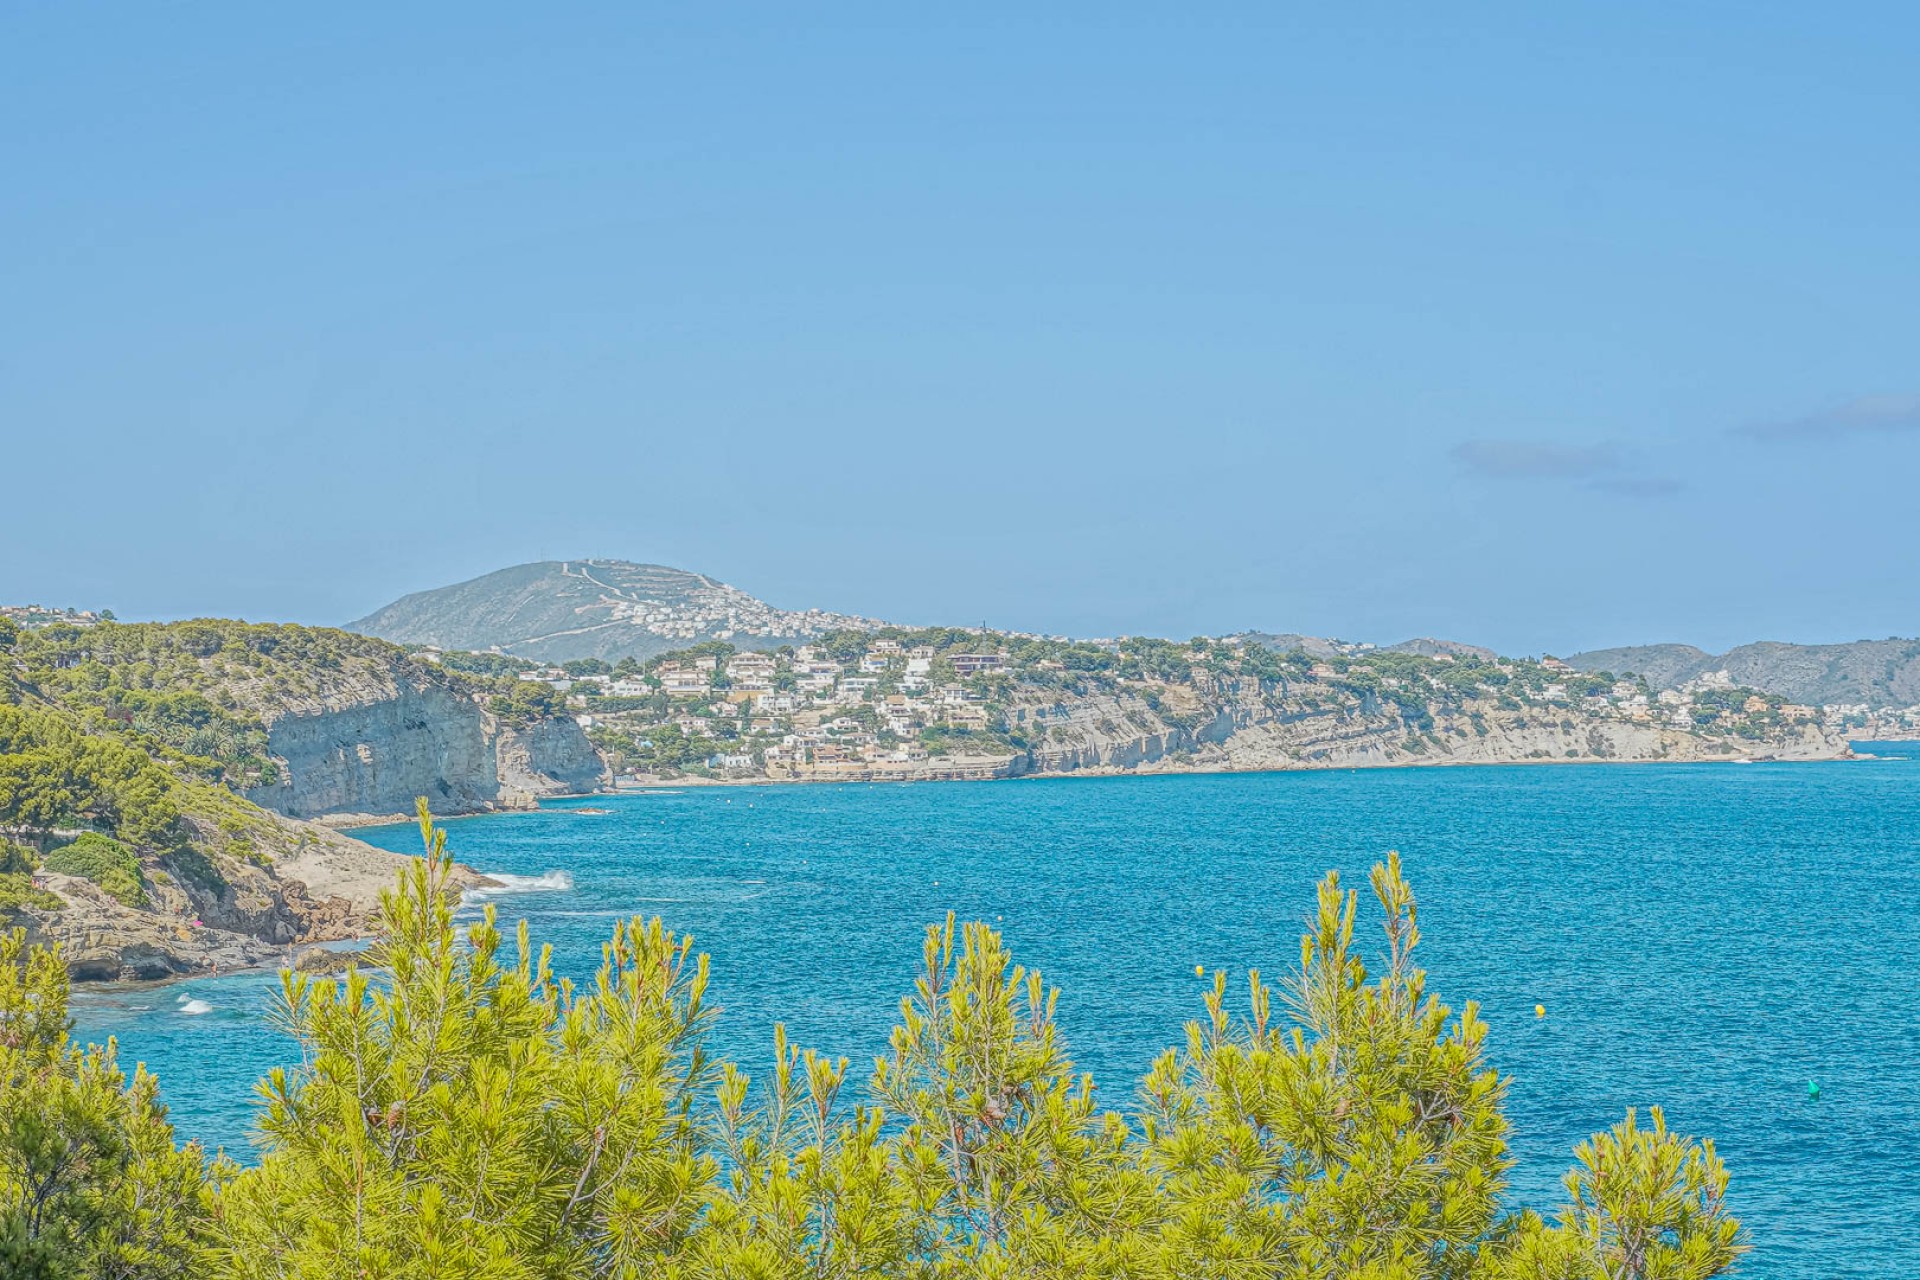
{"x": 459, "y": 1111}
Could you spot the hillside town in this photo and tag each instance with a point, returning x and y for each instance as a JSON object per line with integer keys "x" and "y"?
{"x": 34, "y": 617}
{"x": 798, "y": 712}
{"x": 959, "y": 703}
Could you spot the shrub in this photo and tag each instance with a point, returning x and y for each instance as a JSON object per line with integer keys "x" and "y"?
{"x": 17, "y": 892}
{"x": 91, "y": 1184}
{"x": 16, "y": 858}
{"x": 106, "y": 862}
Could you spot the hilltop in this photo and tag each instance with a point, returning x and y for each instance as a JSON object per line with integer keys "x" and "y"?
{"x": 1871, "y": 673}
{"x": 557, "y": 610}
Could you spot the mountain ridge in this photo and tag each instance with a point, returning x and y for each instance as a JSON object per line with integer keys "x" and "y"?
{"x": 1874, "y": 673}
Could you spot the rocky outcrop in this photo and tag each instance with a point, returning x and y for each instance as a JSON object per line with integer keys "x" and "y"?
{"x": 252, "y": 890}
{"x": 373, "y": 746}
{"x": 547, "y": 757}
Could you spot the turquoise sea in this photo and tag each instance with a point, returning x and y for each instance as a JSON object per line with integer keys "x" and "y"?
{"x": 1707, "y": 937}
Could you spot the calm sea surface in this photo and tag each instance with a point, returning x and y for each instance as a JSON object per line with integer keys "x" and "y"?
{"x": 1706, "y": 937}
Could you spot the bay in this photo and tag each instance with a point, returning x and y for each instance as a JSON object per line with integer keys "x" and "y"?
{"x": 1706, "y": 937}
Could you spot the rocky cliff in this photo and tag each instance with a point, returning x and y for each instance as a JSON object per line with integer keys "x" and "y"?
{"x": 1243, "y": 711}
{"x": 250, "y": 889}
{"x": 189, "y": 754}
{"x": 1243, "y": 724}
{"x": 372, "y": 747}
{"x": 201, "y": 913}
{"x": 313, "y": 722}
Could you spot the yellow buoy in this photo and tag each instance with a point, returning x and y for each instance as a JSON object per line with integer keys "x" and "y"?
{"x": 1199, "y": 971}
{"x": 1539, "y": 1011}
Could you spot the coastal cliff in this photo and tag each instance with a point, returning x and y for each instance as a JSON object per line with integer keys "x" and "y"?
{"x": 157, "y": 779}
{"x": 1239, "y": 725}
{"x": 1241, "y": 728}
{"x": 312, "y": 722}
{"x": 370, "y": 749}
{"x": 939, "y": 704}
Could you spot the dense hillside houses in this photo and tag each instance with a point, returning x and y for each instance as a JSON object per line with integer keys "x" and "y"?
{"x": 897, "y": 703}
{"x": 36, "y": 617}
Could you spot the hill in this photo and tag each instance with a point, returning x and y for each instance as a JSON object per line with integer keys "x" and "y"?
{"x": 154, "y": 779}
{"x": 1428, "y": 647}
{"x": 559, "y": 610}
{"x": 1877, "y": 673}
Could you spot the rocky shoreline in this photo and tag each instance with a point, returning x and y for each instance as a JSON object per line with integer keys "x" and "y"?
{"x": 322, "y": 887}
{"x": 1014, "y": 769}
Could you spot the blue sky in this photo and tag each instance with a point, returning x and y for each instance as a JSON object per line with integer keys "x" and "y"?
{"x": 1545, "y": 326}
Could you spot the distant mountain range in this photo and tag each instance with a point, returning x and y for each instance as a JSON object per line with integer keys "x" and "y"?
{"x": 1879, "y": 673}
{"x": 556, "y": 610}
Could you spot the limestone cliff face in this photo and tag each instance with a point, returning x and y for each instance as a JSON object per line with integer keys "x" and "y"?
{"x": 546, "y": 757}
{"x": 371, "y": 746}
{"x": 1236, "y": 724}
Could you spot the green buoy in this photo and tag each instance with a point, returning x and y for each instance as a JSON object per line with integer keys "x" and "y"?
{"x": 1813, "y": 1089}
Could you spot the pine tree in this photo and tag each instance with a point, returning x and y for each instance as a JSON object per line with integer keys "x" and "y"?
{"x": 458, "y": 1115}
{"x": 469, "y": 1118}
{"x": 91, "y": 1184}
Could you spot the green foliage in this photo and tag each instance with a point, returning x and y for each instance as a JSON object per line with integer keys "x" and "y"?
{"x": 91, "y": 1184}
{"x": 1364, "y": 1138}
{"x": 525, "y": 701}
{"x": 53, "y": 774}
{"x": 468, "y": 1115}
{"x": 491, "y": 666}
{"x": 1641, "y": 1203}
{"x": 17, "y": 893}
{"x": 196, "y": 687}
{"x": 471, "y": 1118}
{"x": 16, "y": 858}
{"x": 103, "y": 860}
{"x": 668, "y": 746}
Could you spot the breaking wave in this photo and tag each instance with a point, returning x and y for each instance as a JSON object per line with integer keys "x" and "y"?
{"x": 546, "y": 882}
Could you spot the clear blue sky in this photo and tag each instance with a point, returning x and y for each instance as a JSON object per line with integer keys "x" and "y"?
{"x": 1546, "y": 326}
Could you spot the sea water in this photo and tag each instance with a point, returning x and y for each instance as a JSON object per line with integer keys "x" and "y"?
{"x": 1706, "y": 937}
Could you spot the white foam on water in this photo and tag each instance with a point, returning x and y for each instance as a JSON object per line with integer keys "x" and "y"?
{"x": 504, "y": 883}
{"x": 196, "y": 1007}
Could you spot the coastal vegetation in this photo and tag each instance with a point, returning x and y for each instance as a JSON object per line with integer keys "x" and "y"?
{"x": 463, "y": 1112}
{"x": 54, "y": 774}
{"x": 103, "y": 860}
